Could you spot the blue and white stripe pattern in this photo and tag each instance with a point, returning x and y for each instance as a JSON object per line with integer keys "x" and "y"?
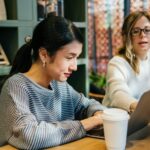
{"x": 33, "y": 117}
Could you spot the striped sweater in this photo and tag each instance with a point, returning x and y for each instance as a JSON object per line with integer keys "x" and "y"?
{"x": 33, "y": 117}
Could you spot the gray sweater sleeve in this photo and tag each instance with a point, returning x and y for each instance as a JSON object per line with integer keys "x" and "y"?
{"x": 85, "y": 107}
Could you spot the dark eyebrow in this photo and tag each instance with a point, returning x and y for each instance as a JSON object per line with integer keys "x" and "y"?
{"x": 73, "y": 54}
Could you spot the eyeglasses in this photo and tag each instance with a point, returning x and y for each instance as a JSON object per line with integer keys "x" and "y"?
{"x": 138, "y": 31}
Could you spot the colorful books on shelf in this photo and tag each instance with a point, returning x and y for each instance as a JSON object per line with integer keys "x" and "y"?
{"x": 44, "y": 7}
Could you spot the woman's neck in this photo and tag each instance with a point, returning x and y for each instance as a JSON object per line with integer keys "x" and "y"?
{"x": 36, "y": 74}
{"x": 142, "y": 57}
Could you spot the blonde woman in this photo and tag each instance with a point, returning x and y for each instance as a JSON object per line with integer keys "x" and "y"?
{"x": 128, "y": 72}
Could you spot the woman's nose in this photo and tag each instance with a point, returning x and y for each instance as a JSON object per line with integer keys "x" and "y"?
{"x": 73, "y": 65}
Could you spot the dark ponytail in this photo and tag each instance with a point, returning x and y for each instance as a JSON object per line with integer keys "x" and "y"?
{"x": 23, "y": 60}
{"x": 21, "y": 63}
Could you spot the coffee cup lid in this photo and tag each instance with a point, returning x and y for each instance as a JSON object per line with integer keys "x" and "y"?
{"x": 115, "y": 114}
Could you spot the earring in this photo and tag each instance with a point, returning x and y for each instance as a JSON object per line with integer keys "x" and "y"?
{"x": 44, "y": 64}
{"x": 134, "y": 56}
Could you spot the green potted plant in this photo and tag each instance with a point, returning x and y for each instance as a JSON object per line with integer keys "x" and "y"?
{"x": 97, "y": 82}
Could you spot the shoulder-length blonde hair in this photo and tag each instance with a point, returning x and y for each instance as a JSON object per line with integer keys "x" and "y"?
{"x": 127, "y": 50}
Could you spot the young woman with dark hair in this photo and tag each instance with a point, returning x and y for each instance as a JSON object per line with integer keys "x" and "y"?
{"x": 38, "y": 108}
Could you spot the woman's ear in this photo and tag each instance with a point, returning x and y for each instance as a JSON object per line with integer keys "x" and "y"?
{"x": 43, "y": 55}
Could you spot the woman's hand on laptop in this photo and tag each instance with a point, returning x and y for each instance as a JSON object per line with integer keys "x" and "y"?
{"x": 92, "y": 122}
{"x": 98, "y": 114}
{"x": 133, "y": 107}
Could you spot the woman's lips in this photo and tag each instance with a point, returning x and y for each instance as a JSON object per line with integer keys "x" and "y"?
{"x": 143, "y": 43}
{"x": 67, "y": 74}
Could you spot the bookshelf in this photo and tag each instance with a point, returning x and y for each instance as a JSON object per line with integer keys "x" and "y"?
{"x": 21, "y": 19}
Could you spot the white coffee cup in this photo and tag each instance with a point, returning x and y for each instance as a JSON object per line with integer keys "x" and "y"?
{"x": 115, "y": 123}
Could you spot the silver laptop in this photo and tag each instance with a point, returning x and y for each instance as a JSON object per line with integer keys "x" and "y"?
{"x": 140, "y": 118}
{"x": 138, "y": 122}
